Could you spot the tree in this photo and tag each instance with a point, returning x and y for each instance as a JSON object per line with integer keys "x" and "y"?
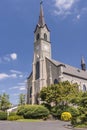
{"x": 4, "y": 102}
{"x": 21, "y": 99}
{"x": 83, "y": 100}
{"x": 62, "y": 92}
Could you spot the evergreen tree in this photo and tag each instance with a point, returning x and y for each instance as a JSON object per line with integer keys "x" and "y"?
{"x": 22, "y": 99}
{"x": 4, "y": 102}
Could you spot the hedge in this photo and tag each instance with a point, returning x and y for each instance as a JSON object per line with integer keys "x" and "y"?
{"x": 33, "y": 111}
{"x": 3, "y": 115}
{"x": 13, "y": 118}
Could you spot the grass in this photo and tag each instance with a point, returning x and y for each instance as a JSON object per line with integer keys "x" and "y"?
{"x": 81, "y": 126}
{"x": 29, "y": 120}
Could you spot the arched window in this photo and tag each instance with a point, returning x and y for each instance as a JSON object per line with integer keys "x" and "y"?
{"x": 45, "y": 36}
{"x": 38, "y": 36}
{"x": 30, "y": 92}
{"x": 37, "y": 70}
{"x": 56, "y": 81}
{"x": 37, "y": 98}
{"x": 84, "y": 88}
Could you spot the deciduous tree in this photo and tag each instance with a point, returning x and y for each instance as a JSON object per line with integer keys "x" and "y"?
{"x": 63, "y": 92}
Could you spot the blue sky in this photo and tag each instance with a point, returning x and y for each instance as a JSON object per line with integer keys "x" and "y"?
{"x": 67, "y": 21}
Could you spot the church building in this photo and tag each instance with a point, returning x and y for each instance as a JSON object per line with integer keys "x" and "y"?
{"x": 47, "y": 71}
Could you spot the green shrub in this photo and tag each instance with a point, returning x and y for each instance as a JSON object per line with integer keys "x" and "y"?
{"x": 83, "y": 118}
{"x": 82, "y": 110}
{"x": 66, "y": 116}
{"x": 12, "y": 113}
{"x": 3, "y": 115}
{"x": 58, "y": 110}
{"x": 79, "y": 120}
{"x": 74, "y": 111}
{"x": 22, "y": 109}
{"x": 33, "y": 111}
{"x": 48, "y": 106}
{"x": 15, "y": 117}
{"x": 75, "y": 121}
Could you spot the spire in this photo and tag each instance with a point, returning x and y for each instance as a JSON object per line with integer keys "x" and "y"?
{"x": 83, "y": 65}
{"x": 82, "y": 60}
{"x": 41, "y": 21}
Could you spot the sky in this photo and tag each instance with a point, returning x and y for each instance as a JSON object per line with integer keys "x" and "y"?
{"x": 67, "y": 21}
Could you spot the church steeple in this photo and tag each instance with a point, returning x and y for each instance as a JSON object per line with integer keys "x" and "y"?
{"x": 41, "y": 21}
{"x": 83, "y": 65}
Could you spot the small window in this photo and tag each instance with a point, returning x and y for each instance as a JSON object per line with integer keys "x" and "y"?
{"x": 55, "y": 81}
{"x": 45, "y": 36}
{"x": 38, "y": 36}
{"x": 37, "y": 70}
{"x": 84, "y": 88}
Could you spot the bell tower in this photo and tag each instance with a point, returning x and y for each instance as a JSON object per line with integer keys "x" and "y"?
{"x": 42, "y": 49}
{"x": 42, "y": 46}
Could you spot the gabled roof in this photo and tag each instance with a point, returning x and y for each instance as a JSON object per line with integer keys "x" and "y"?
{"x": 70, "y": 70}
{"x": 30, "y": 75}
{"x": 37, "y": 26}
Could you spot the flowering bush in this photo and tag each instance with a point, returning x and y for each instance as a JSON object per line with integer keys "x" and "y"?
{"x": 66, "y": 116}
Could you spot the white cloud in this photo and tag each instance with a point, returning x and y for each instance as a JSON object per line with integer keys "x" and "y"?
{"x": 63, "y": 7}
{"x": 8, "y": 57}
{"x": 13, "y": 56}
{"x": 78, "y": 16}
{"x": 15, "y": 71}
{"x": 22, "y": 83}
{"x": 13, "y": 75}
{"x": 20, "y": 76}
{"x": 15, "y": 94}
{"x": 4, "y": 76}
{"x": 15, "y": 87}
{"x": 22, "y": 88}
{"x": 73, "y": 8}
{"x": 64, "y": 4}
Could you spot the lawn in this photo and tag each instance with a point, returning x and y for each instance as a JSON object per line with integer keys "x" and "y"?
{"x": 29, "y": 120}
{"x": 81, "y": 126}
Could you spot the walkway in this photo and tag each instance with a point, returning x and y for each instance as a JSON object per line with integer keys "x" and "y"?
{"x": 46, "y": 125}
